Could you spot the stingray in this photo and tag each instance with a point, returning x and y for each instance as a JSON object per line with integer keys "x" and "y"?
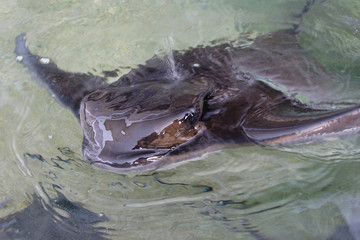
{"x": 196, "y": 101}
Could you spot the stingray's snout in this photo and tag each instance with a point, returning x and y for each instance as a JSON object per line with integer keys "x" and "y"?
{"x": 123, "y": 135}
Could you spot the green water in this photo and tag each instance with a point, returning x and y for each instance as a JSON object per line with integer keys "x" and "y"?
{"x": 297, "y": 192}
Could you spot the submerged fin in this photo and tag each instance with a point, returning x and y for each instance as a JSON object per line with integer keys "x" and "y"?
{"x": 272, "y": 128}
{"x": 68, "y": 88}
{"x": 278, "y": 60}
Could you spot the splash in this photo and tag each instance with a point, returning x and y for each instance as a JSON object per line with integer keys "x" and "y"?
{"x": 167, "y": 53}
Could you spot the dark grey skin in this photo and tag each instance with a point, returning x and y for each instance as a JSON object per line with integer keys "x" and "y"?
{"x": 196, "y": 101}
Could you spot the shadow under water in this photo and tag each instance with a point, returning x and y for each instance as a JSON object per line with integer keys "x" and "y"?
{"x": 41, "y": 220}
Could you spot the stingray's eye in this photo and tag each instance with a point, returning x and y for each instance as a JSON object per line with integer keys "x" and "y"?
{"x": 191, "y": 118}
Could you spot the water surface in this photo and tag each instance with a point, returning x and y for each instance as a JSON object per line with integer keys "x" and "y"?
{"x": 306, "y": 191}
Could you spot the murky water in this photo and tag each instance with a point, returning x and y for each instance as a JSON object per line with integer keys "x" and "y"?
{"x": 296, "y": 192}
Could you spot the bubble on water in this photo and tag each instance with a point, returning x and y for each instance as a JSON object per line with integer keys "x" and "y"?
{"x": 45, "y": 60}
{"x": 19, "y": 58}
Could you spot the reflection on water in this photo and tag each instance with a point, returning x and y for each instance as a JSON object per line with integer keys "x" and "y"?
{"x": 292, "y": 192}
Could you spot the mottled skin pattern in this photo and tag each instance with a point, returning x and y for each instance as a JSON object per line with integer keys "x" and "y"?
{"x": 196, "y": 101}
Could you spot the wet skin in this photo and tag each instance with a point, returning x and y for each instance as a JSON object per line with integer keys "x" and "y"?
{"x": 192, "y": 102}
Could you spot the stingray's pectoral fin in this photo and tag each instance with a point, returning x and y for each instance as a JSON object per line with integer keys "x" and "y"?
{"x": 281, "y": 130}
{"x": 68, "y": 88}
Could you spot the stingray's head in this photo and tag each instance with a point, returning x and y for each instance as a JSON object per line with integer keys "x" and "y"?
{"x": 136, "y": 126}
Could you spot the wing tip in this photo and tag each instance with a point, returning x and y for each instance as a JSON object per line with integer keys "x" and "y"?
{"x": 20, "y": 45}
